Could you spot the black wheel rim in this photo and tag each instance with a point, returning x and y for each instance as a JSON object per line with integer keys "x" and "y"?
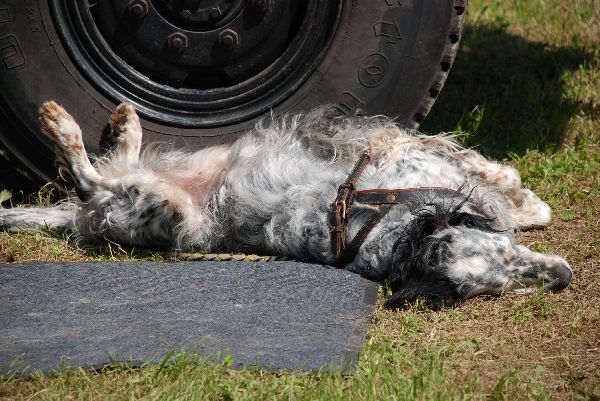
{"x": 197, "y": 63}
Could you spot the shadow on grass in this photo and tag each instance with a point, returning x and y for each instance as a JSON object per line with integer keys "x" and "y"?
{"x": 507, "y": 93}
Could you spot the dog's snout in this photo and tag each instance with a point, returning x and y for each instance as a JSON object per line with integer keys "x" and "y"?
{"x": 563, "y": 273}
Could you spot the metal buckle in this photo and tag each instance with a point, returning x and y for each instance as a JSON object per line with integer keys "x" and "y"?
{"x": 341, "y": 204}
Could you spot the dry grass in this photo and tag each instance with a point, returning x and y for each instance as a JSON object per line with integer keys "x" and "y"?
{"x": 47, "y": 246}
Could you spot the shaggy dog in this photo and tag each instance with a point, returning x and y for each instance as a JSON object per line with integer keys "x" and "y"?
{"x": 271, "y": 191}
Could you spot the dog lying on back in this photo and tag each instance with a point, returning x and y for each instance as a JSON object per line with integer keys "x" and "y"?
{"x": 271, "y": 191}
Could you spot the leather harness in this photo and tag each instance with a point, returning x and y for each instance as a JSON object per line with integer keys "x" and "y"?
{"x": 384, "y": 199}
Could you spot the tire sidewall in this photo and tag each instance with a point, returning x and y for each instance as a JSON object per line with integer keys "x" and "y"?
{"x": 383, "y": 59}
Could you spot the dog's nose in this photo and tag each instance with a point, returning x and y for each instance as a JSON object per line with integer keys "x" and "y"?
{"x": 563, "y": 275}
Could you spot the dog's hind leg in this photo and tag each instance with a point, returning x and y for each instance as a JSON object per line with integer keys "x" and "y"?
{"x": 31, "y": 219}
{"x": 125, "y": 139}
{"x": 527, "y": 209}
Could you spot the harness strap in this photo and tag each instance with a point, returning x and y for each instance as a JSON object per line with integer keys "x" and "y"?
{"x": 385, "y": 199}
{"x": 339, "y": 210}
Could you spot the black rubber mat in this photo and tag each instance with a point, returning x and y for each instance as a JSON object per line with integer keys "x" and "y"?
{"x": 277, "y": 315}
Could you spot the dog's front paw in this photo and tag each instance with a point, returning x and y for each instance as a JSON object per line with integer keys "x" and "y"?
{"x": 59, "y": 125}
{"x": 62, "y": 129}
{"x": 125, "y": 132}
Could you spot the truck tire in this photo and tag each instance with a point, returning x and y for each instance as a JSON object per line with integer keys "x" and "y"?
{"x": 201, "y": 72}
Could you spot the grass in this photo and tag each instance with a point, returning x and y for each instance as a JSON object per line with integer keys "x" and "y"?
{"x": 525, "y": 88}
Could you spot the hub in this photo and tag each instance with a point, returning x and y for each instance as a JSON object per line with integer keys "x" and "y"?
{"x": 199, "y": 62}
{"x": 199, "y": 15}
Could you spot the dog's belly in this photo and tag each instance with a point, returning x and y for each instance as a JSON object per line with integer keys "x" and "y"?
{"x": 201, "y": 173}
{"x": 200, "y": 185}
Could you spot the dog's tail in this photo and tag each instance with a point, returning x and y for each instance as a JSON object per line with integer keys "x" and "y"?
{"x": 31, "y": 219}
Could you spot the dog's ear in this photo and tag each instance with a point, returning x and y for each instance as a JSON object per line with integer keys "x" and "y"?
{"x": 409, "y": 282}
{"x": 415, "y": 252}
{"x": 436, "y": 295}
{"x": 417, "y": 266}
{"x": 409, "y": 248}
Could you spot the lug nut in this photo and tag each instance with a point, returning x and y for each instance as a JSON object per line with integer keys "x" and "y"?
{"x": 138, "y": 8}
{"x": 186, "y": 14}
{"x": 201, "y": 16}
{"x": 215, "y": 13}
{"x": 229, "y": 39}
{"x": 262, "y": 5}
{"x": 177, "y": 42}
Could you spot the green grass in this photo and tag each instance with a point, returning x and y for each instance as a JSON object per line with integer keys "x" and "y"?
{"x": 525, "y": 89}
{"x": 521, "y": 83}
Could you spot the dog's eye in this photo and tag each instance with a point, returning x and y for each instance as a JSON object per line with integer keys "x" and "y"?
{"x": 441, "y": 254}
{"x": 468, "y": 222}
{"x": 435, "y": 256}
{"x": 461, "y": 220}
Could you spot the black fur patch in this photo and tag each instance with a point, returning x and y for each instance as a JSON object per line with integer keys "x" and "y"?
{"x": 418, "y": 267}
